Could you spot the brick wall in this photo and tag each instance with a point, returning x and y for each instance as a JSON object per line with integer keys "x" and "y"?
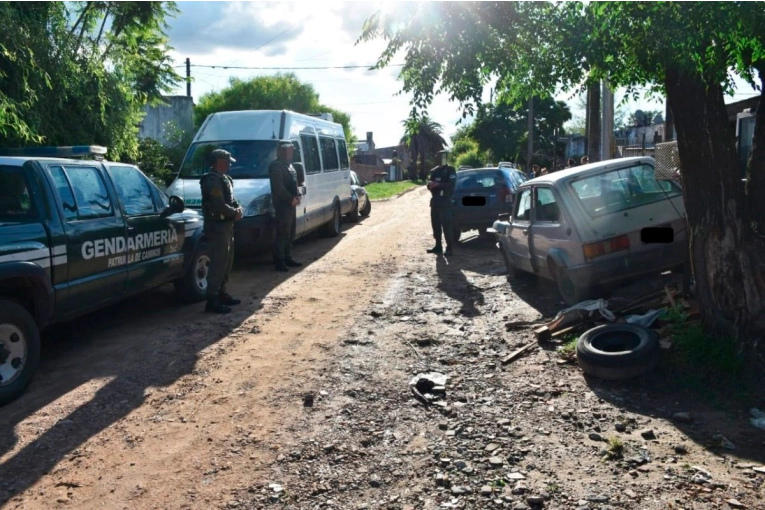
{"x": 367, "y": 172}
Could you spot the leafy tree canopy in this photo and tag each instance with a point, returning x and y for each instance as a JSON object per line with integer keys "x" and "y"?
{"x": 278, "y": 92}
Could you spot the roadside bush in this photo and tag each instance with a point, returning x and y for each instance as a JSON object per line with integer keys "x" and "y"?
{"x": 471, "y": 158}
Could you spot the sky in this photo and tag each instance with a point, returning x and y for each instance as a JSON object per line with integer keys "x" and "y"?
{"x": 308, "y": 34}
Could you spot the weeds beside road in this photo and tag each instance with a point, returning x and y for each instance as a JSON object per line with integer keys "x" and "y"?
{"x": 383, "y": 190}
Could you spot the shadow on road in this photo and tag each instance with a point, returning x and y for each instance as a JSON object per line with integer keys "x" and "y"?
{"x": 151, "y": 340}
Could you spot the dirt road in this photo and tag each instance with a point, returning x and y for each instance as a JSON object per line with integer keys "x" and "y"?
{"x": 153, "y": 404}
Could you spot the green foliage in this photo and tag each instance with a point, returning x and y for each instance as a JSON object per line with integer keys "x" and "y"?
{"x": 381, "y": 190}
{"x": 81, "y": 76}
{"x": 567, "y": 351}
{"x": 473, "y": 158}
{"x": 423, "y": 138}
{"x": 278, "y": 92}
{"x": 615, "y": 449}
{"x": 162, "y": 162}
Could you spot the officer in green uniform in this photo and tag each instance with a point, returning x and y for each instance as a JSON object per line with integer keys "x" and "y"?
{"x": 441, "y": 186}
{"x": 285, "y": 195}
{"x": 220, "y": 210}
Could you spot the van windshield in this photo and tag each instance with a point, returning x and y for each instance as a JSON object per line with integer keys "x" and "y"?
{"x": 252, "y": 158}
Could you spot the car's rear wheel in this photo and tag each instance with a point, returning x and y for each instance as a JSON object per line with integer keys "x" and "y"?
{"x": 569, "y": 290}
{"x": 367, "y": 208}
{"x": 193, "y": 286}
{"x": 353, "y": 216}
{"x": 19, "y": 350}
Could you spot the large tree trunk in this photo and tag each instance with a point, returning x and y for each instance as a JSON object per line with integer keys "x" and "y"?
{"x": 755, "y": 185}
{"x": 728, "y": 258}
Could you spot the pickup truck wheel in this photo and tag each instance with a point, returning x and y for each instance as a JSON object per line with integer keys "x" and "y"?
{"x": 193, "y": 286}
{"x": 367, "y": 208}
{"x": 19, "y": 350}
{"x": 571, "y": 293}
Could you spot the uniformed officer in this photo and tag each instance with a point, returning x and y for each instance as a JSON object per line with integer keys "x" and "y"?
{"x": 285, "y": 195}
{"x": 441, "y": 186}
{"x": 220, "y": 210}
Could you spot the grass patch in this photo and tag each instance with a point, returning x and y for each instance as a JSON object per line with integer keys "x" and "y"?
{"x": 615, "y": 449}
{"x": 701, "y": 357}
{"x": 380, "y": 190}
{"x": 567, "y": 351}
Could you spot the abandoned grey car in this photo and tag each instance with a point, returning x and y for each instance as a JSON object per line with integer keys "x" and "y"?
{"x": 595, "y": 225}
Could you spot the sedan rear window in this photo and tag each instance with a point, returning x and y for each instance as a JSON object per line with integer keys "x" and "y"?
{"x": 622, "y": 189}
{"x": 479, "y": 179}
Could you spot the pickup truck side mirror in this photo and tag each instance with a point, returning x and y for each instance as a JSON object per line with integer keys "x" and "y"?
{"x": 300, "y": 173}
{"x": 177, "y": 205}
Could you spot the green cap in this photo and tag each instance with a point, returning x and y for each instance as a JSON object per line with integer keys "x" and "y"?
{"x": 221, "y": 154}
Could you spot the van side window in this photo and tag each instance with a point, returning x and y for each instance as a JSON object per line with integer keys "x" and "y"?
{"x": 329, "y": 154}
{"x": 310, "y": 154}
{"x": 343, "y": 149}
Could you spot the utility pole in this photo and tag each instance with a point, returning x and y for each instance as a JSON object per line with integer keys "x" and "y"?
{"x": 188, "y": 77}
{"x": 530, "y": 147}
{"x": 555, "y": 150}
{"x": 607, "y": 132}
{"x": 593, "y": 122}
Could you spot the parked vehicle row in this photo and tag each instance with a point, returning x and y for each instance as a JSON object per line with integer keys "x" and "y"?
{"x": 586, "y": 226}
{"x": 76, "y": 236}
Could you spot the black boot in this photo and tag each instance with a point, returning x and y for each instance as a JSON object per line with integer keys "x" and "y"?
{"x": 292, "y": 263}
{"x": 282, "y": 267}
{"x": 215, "y": 306}
{"x": 436, "y": 249}
{"x": 226, "y": 299}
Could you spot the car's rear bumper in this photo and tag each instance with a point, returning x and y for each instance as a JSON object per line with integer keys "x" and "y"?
{"x": 254, "y": 234}
{"x": 483, "y": 218}
{"x": 620, "y": 267}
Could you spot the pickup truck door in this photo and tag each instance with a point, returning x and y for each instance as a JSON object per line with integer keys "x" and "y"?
{"x": 156, "y": 239}
{"x": 95, "y": 232}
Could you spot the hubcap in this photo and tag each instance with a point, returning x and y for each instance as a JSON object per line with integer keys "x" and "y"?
{"x": 200, "y": 272}
{"x": 13, "y": 353}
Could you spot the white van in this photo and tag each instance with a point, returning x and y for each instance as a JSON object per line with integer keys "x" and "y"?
{"x": 321, "y": 165}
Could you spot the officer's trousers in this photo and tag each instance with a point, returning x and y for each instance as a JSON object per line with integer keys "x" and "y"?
{"x": 441, "y": 218}
{"x": 221, "y": 240}
{"x": 284, "y": 226}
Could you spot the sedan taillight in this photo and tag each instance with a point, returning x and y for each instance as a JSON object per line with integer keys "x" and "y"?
{"x": 594, "y": 250}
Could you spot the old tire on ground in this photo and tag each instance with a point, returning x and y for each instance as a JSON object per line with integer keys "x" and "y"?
{"x": 332, "y": 229}
{"x": 367, "y": 208}
{"x": 569, "y": 291}
{"x": 353, "y": 216}
{"x": 19, "y": 350}
{"x": 618, "y": 351}
{"x": 193, "y": 286}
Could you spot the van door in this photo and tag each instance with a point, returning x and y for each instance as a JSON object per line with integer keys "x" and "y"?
{"x": 155, "y": 254}
{"x": 311, "y": 204}
{"x": 96, "y": 236}
{"x": 332, "y": 176}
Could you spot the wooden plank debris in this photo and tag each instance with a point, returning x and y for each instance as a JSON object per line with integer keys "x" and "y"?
{"x": 517, "y": 353}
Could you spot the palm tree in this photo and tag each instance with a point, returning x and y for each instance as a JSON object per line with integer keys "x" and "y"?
{"x": 422, "y": 137}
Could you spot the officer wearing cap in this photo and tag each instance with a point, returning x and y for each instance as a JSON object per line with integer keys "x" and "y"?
{"x": 441, "y": 185}
{"x": 220, "y": 210}
{"x": 285, "y": 195}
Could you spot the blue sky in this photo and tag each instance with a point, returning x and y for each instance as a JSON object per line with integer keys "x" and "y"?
{"x": 307, "y": 34}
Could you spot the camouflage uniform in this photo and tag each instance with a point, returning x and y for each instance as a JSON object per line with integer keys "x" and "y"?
{"x": 220, "y": 209}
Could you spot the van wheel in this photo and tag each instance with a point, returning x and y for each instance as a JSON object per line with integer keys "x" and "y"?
{"x": 193, "y": 286}
{"x": 367, "y": 208}
{"x": 19, "y": 350}
{"x": 333, "y": 227}
{"x": 353, "y": 216}
{"x": 569, "y": 291}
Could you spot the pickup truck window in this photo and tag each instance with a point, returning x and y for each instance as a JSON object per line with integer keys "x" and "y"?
{"x": 15, "y": 200}
{"x": 133, "y": 190}
{"x": 84, "y": 186}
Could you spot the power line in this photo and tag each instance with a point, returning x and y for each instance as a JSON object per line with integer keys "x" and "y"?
{"x": 368, "y": 67}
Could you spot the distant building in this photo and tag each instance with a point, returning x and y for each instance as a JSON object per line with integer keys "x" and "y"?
{"x": 371, "y": 163}
{"x": 177, "y": 112}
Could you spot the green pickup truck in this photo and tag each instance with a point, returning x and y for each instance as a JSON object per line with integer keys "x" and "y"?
{"x": 77, "y": 235}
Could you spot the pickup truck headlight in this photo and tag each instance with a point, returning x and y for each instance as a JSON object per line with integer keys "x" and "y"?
{"x": 260, "y": 205}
